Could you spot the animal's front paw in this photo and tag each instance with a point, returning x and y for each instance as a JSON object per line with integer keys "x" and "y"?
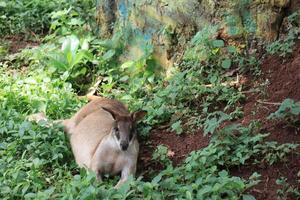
{"x": 99, "y": 177}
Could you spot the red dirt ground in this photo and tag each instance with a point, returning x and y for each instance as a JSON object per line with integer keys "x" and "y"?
{"x": 178, "y": 146}
{"x": 283, "y": 77}
{"x": 17, "y": 43}
{"x": 281, "y": 80}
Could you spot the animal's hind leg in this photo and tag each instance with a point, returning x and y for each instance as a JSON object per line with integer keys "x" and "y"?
{"x": 95, "y": 165}
{"x": 67, "y": 124}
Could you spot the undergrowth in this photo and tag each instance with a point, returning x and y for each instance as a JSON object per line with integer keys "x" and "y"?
{"x": 284, "y": 46}
{"x": 31, "y": 17}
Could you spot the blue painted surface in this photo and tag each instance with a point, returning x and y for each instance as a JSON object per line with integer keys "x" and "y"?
{"x": 123, "y": 10}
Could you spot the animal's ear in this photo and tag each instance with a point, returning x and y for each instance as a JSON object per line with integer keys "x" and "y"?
{"x": 138, "y": 115}
{"x": 113, "y": 114}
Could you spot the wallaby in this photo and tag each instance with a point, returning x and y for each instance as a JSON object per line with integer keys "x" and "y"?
{"x": 103, "y": 138}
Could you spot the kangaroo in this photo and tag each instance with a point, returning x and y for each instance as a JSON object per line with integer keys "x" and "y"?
{"x": 103, "y": 138}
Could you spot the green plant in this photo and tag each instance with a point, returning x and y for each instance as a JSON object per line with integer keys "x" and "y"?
{"x": 287, "y": 191}
{"x": 213, "y": 121}
{"x": 36, "y": 160}
{"x": 76, "y": 18}
{"x": 177, "y": 127}
{"x": 3, "y": 49}
{"x": 273, "y": 152}
{"x": 32, "y": 17}
{"x": 37, "y": 92}
{"x": 288, "y": 111}
{"x": 284, "y": 47}
{"x": 67, "y": 62}
{"x": 161, "y": 154}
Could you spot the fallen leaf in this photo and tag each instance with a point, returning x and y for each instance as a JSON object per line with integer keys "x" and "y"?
{"x": 170, "y": 153}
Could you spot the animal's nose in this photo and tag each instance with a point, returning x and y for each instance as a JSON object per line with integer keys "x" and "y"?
{"x": 124, "y": 145}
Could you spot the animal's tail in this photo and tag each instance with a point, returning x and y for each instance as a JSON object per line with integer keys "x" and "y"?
{"x": 37, "y": 117}
{"x": 67, "y": 124}
{"x": 41, "y": 116}
{"x": 92, "y": 97}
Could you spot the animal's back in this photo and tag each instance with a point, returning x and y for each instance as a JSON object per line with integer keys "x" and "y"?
{"x": 88, "y": 134}
{"x": 91, "y": 107}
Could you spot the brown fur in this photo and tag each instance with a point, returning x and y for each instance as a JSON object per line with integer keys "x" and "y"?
{"x": 94, "y": 142}
{"x": 98, "y": 133}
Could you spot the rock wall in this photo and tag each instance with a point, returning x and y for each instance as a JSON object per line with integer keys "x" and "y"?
{"x": 170, "y": 24}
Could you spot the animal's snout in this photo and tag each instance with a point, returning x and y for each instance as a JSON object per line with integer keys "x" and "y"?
{"x": 124, "y": 145}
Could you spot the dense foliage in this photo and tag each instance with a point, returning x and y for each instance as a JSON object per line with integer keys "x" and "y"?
{"x": 35, "y": 159}
{"x": 35, "y": 16}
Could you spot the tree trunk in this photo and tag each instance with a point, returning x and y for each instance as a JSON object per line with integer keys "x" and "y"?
{"x": 170, "y": 24}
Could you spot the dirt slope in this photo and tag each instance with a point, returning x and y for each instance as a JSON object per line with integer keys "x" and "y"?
{"x": 280, "y": 80}
{"x": 283, "y": 81}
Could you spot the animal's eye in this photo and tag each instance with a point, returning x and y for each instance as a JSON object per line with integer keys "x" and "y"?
{"x": 130, "y": 135}
{"x": 132, "y": 132}
{"x": 116, "y": 130}
{"x": 117, "y": 135}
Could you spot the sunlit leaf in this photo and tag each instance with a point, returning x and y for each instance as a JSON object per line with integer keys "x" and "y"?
{"x": 108, "y": 55}
{"x": 218, "y": 43}
{"x": 226, "y": 63}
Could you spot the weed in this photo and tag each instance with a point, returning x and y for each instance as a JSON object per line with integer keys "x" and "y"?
{"x": 213, "y": 121}
{"x": 161, "y": 154}
{"x": 177, "y": 127}
{"x": 288, "y": 111}
{"x": 273, "y": 152}
{"x": 34, "y": 16}
{"x": 284, "y": 47}
{"x": 287, "y": 191}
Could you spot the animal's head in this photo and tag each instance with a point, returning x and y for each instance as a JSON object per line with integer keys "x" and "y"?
{"x": 124, "y": 127}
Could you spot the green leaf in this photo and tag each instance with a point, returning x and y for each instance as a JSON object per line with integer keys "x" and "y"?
{"x": 78, "y": 58}
{"x": 177, "y": 127}
{"x": 70, "y": 59}
{"x": 231, "y": 49}
{"x": 75, "y": 21}
{"x": 188, "y": 195}
{"x": 248, "y": 197}
{"x": 156, "y": 179}
{"x": 57, "y": 64}
{"x": 210, "y": 125}
{"x": 85, "y": 45}
{"x": 108, "y": 55}
{"x": 30, "y": 196}
{"x": 218, "y": 43}
{"x": 70, "y": 44}
{"x": 214, "y": 121}
{"x": 3, "y": 4}
{"x": 127, "y": 64}
{"x": 226, "y": 63}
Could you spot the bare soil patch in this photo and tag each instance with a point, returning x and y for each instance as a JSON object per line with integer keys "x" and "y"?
{"x": 179, "y": 147}
{"x": 280, "y": 80}
{"x": 17, "y": 43}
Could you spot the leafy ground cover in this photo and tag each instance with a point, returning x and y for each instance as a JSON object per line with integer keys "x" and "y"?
{"x": 206, "y": 135}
